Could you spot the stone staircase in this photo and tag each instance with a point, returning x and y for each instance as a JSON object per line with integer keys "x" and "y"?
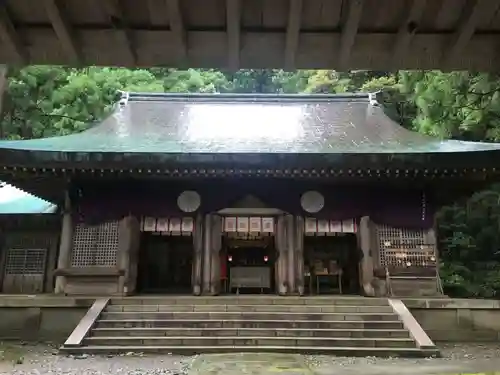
{"x": 189, "y": 325}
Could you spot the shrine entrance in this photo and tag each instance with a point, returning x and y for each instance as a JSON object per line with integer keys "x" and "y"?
{"x": 331, "y": 258}
{"x": 247, "y": 263}
{"x": 248, "y": 252}
{"x": 165, "y": 257}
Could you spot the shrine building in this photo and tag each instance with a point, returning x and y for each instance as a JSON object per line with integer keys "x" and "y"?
{"x": 232, "y": 194}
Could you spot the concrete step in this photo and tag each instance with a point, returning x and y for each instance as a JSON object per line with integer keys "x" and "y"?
{"x": 250, "y": 332}
{"x": 190, "y": 350}
{"x": 250, "y": 300}
{"x": 250, "y": 341}
{"x": 245, "y": 323}
{"x": 249, "y": 308}
{"x": 253, "y": 315}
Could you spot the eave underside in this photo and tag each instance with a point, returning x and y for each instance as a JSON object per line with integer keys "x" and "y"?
{"x": 290, "y": 34}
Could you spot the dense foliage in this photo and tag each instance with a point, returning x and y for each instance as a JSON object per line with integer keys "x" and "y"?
{"x": 41, "y": 101}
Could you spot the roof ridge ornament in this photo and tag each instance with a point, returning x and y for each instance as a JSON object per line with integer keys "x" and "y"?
{"x": 125, "y": 95}
{"x": 373, "y": 97}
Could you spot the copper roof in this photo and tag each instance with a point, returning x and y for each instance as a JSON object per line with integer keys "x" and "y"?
{"x": 194, "y": 127}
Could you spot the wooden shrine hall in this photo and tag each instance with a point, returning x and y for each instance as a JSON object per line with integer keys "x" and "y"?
{"x": 234, "y": 194}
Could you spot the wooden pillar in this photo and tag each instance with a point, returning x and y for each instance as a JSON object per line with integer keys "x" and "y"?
{"x": 366, "y": 263}
{"x": 65, "y": 245}
{"x": 128, "y": 254}
{"x": 132, "y": 255}
{"x": 290, "y": 254}
{"x": 197, "y": 255}
{"x": 216, "y": 243}
{"x": 280, "y": 268}
{"x": 206, "y": 256}
{"x": 299, "y": 253}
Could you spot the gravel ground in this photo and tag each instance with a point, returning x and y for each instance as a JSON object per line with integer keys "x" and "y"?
{"x": 457, "y": 359}
{"x": 43, "y": 360}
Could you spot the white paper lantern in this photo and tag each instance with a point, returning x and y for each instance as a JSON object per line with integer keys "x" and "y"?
{"x": 189, "y": 201}
{"x": 312, "y": 201}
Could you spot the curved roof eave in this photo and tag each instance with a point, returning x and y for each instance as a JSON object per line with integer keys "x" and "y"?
{"x": 148, "y": 128}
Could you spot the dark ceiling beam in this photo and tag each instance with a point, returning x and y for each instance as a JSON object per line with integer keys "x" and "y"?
{"x": 293, "y": 33}
{"x": 407, "y": 30}
{"x": 11, "y": 38}
{"x": 473, "y": 12}
{"x": 177, "y": 27}
{"x": 121, "y": 24}
{"x": 349, "y": 31}
{"x": 233, "y": 30}
{"x": 64, "y": 31}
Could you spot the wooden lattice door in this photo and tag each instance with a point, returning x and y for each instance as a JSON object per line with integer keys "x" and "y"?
{"x": 24, "y": 270}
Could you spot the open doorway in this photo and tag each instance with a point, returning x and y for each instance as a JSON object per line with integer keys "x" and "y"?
{"x": 165, "y": 264}
{"x": 331, "y": 264}
{"x": 247, "y": 264}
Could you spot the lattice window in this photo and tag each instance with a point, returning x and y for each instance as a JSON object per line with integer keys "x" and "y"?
{"x": 404, "y": 247}
{"x": 26, "y": 262}
{"x": 95, "y": 246}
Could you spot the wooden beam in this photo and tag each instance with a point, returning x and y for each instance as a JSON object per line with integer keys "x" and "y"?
{"x": 121, "y": 24}
{"x": 64, "y": 31}
{"x": 349, "y": 31}
{"x": 11, "y": 38}
{"x": 407, "y": 30}
{"x": 474, "y": 11}
{"x": 293, "y": 33}
{"x": 177, "y": 26}
{"x": 233, "y": 27}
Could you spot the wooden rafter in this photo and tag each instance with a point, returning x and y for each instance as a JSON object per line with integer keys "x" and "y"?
{"x": 407, "y": 30}
{"x": 64, "y": 31}
{"x": 293, "y": 33}
{"x": 473, "y": 12}
{"x": 233, "y": 27}
{"x": 121, "y": 24}
{"x": 349, "y": 31}
{"x": 177, "y": 26}
{"x": 11, "y": 38}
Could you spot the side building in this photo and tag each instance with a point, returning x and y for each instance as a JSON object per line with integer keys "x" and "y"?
{"x": 29, "y": 238}
{"x": 219, "y": 194}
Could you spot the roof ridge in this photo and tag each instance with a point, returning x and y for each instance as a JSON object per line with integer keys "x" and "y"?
{"x": 252, "y": 97}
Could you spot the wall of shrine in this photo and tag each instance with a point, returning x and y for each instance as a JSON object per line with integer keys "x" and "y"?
{"x": 28, "y": 253}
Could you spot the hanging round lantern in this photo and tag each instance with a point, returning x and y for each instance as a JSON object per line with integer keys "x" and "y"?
{"x": 189, "y": 201}
{"x": 312, "y": 201}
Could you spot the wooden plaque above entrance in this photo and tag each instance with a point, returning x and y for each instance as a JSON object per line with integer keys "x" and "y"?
{"x": 245, "y": 224}
{"x": 314, "y": 226}
{"x": 174, "y": 226}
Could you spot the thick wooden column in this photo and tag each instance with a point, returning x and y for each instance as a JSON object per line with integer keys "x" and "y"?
{"x": 216, "y": 243}
{"x": 280, "y": 267}
{"x": 299, "y": 253}
{"x": 128, "y": 254}
{"x": 197, "y": 255}
{"x": 65, "y": 245}
{"x": 206, "y": 256}
{"x": 290, "y": 254}
{"x": 366, "y": 263}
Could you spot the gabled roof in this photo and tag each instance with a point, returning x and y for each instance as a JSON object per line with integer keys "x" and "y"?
{"x": 164, "y": 130}
{"x": 14, "y": 201}
{"x": 228, "y": 123}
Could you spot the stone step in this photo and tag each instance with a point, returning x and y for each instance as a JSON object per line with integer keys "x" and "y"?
{"x": 250, "y": 300}
{"x": 253, "y": 315}
{"x": 249, "y": 308}
{"x": 250, "y": 341}
{"x": 191, "y": 350}
{"x": 249, "y": 332}
{"x": 245, "y": 323}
